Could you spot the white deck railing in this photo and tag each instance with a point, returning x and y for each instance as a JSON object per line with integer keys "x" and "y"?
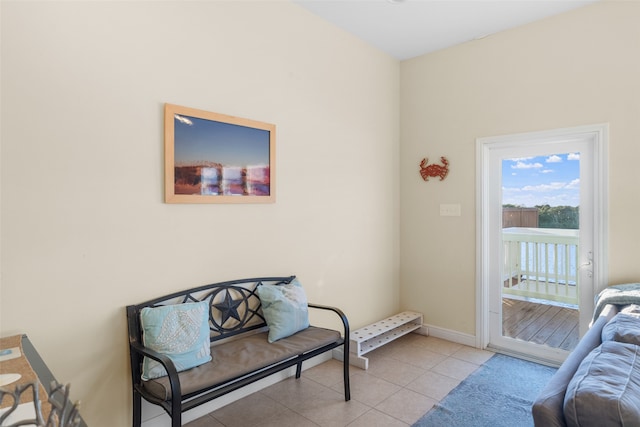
{"x": 541, "y": 263}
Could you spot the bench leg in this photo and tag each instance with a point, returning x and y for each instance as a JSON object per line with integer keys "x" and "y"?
{"x": 176, "y": 413}
{"x": 347, "y": 388}
{"x": 298, "y": 369}
{"x": 137, "y": 409}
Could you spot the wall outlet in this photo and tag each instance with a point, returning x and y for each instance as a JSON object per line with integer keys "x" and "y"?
{"x": 450, "y": 210}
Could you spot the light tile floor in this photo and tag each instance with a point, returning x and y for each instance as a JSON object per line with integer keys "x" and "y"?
{"x": 405, "y": 379}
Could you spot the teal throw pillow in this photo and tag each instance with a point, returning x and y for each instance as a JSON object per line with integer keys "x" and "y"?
{"x": 285, "y": 309}
{"x": 180, "y": 331}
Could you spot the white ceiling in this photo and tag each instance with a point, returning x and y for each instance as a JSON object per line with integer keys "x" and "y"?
{"x": 409, "y": 28}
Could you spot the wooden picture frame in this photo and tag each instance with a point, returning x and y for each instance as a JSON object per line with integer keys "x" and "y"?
{"x": 216, "y": 158}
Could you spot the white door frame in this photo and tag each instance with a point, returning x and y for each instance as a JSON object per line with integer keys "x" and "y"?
{"x": 597, "y": 135}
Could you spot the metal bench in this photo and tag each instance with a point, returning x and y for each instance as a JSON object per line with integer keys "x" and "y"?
{"x": 240, "y": 351}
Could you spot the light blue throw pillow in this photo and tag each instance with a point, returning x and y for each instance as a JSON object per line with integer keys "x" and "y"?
{"x": 285, "y": 309}
{"x": 180, "y": 331}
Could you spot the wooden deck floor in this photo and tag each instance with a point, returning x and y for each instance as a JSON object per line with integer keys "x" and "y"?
{"x": 550, "y": 325}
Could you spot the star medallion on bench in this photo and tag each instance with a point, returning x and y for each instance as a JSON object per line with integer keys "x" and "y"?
{"x": 228, "y": 308}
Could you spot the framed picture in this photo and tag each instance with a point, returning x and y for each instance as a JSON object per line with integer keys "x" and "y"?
{"x": 215, "y": 158}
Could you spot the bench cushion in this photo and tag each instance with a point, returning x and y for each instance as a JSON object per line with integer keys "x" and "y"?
{"x": 234, "y": 359}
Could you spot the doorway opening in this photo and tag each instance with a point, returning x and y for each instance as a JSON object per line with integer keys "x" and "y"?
{"x": 541, "y": 237}
{"x": 540, "y": 242}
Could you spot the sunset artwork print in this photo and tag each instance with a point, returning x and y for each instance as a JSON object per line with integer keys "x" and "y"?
{"x": 215, "y": 158}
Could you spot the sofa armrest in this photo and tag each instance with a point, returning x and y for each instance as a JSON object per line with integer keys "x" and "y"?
{"x": 548, "y": 407}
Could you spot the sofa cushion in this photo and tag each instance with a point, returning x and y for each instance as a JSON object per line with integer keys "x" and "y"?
{"x": 179, "y": 331}
{"x": 285, "y": 309}
{"x": 606, "y": 387}
{"x": 622, "y": 328}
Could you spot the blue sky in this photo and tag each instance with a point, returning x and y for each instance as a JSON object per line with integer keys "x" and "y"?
{"x": 544, "y": 180}
{"x": 229, "y": 144}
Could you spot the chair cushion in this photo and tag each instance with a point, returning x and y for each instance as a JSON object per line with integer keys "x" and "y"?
{"x": 605, "y": 389}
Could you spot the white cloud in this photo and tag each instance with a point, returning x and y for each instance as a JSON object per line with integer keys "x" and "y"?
{"x": 547, "y": 171}
{"x": 554, "y": 159}
{"x": 553, "y": 186}
{"x": 573, "y": 156}
{"x": 518, "y": 197}
{"x": 575, "y": 184}
{"x": 523, "y": 165}
{"x": 545, "y": 187}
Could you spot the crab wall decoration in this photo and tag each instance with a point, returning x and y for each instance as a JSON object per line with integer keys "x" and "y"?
{"x": 434, "y": 170}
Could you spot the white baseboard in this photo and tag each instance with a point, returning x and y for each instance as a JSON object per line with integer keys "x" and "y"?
{"x": 448, "y": 334}
{"x": 154, "y": 416}
{"x": 423, "y": 330}
{"x": 354, "y": 360}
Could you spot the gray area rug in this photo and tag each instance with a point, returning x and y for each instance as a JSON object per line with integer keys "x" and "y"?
{"x": 499, "y": 394}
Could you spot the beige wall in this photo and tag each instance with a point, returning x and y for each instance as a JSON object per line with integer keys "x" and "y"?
{"x": 574, "y": 69}
{"x": 84, "y": 227}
